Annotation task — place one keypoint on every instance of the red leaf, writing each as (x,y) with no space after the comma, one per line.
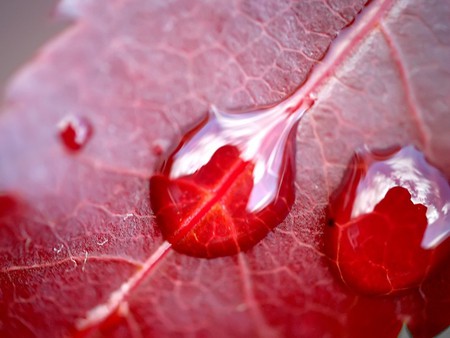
(81,231)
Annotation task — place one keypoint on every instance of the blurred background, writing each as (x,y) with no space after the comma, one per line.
(25,25)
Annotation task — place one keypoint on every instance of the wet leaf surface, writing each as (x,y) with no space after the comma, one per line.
(141,73)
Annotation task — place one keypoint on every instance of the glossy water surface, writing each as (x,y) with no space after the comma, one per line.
(74,132)
(390,221)
(229,181)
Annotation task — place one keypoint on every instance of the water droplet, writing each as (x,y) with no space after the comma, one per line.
(75,132)
(157,150)
(229,181)
(159,147)
(391,219)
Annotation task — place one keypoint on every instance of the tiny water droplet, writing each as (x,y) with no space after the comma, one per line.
(229,181)
(159,147)
(157,150)
(74,132)
(391,217)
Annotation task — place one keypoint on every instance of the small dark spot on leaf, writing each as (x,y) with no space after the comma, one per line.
(330,222)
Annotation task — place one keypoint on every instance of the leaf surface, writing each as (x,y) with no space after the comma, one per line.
(77,227)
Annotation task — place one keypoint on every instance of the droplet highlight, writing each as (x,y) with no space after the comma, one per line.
(74,132)
(229,181)
(389,221)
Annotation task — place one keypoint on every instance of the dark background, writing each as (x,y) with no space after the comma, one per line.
(25,25)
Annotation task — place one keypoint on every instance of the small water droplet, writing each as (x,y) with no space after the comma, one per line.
(229,181)
(391,217)
(157,150)
(159,147)
(75,132)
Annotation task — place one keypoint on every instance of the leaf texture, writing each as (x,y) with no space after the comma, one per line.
(78,226)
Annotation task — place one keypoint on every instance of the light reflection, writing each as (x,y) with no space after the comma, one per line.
(408,168)
(260,136)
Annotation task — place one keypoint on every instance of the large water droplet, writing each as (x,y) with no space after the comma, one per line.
(391,219)
(229,181)
(74,132)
